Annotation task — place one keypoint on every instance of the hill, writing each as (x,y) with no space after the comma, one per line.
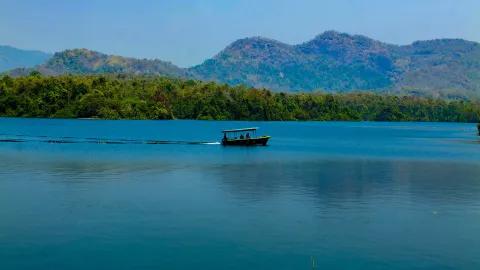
(443,67)
(11,58)
(83,61)
(332,61)
(342,62)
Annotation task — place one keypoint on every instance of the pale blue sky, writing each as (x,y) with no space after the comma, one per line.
(186,32)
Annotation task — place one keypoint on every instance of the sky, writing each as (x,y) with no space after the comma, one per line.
(187,32)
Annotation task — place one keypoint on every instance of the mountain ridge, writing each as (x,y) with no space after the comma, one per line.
(84,61)
(11,57)
(331,61)
(316,64)
(341,62)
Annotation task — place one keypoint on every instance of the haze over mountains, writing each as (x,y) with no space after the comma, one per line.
(331,61)
(11,58)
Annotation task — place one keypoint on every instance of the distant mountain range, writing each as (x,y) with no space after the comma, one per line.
(331,61)
(342,62)
(11,58)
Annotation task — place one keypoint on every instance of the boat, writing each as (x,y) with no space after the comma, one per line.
(243,137)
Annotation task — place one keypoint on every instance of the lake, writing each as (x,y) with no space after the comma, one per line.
(90,194)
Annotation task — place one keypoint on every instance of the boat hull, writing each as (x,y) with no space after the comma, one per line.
(262,141)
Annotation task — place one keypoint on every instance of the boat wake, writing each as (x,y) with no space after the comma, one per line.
(5,138)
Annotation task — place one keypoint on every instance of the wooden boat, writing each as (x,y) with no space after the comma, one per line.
(243,137)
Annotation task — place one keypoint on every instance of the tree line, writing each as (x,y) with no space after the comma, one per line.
(144,97)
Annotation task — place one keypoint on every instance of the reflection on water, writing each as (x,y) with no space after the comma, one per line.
(350,179)
(390,197)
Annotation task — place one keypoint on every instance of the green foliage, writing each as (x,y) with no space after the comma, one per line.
(83,61)
(153,97)
(446,68)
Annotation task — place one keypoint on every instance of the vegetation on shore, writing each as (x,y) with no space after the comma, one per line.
(144,97)
(332,61)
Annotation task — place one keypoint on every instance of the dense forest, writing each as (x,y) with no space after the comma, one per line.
(154,97)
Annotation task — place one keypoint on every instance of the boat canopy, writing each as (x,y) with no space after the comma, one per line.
(240,130)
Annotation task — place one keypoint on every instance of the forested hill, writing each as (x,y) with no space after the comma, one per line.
(83,61)
(154,97)
(331,61)
(337,61)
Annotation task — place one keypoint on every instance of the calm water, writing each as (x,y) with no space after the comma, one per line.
(84,194)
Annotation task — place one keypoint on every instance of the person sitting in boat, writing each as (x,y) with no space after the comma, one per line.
(241,137)
(248,135)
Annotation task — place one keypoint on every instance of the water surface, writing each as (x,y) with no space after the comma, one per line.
(83,194)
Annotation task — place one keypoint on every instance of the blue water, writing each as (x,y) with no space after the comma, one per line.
(87,194)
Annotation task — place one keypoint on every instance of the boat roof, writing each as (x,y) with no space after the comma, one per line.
(240,129)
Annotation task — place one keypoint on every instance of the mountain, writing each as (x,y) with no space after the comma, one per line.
(343,62)
(443,67)
(332,61)
(11,58)
(83,61)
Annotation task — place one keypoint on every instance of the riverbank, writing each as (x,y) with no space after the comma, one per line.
(139,97)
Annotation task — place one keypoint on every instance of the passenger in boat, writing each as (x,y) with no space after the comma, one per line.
(241,137)
(248,135)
